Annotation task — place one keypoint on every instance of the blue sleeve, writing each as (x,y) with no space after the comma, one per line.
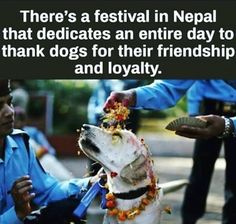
(161,94)
(47,188)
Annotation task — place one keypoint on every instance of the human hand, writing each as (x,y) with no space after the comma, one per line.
(215,127)
(127,98)
(21,196)
(100,174)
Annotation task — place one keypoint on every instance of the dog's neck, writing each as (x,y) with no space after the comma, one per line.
(118,185)
(133,202)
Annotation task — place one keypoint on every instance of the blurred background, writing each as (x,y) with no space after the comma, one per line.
(58,108)
(68,100)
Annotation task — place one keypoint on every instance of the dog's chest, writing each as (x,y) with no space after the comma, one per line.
(151,214)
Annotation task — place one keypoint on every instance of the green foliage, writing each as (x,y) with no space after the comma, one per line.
(70,102)
(71,99)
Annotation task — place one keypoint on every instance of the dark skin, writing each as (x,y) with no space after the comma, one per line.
(127,98)
(215,127)
(21,195)
(20,189)
(6,120)
(6,117)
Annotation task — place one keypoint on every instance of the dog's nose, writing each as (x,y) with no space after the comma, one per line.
(85,127)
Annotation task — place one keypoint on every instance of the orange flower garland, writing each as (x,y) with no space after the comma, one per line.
(130,214)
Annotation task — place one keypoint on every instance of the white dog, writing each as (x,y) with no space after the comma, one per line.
(129,168)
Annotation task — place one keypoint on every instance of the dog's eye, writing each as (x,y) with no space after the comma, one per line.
(116,137)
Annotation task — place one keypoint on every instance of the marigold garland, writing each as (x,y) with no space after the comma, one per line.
(130,214)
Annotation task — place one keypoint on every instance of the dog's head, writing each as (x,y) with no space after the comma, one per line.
(118,151)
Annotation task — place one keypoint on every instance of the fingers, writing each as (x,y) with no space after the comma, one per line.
(22,196)
(127,98)
(187,135)
(192,132)
(26,177)
(22,185)
(20,190)
(26,197)
(211,119)
(109,102)
(102,174)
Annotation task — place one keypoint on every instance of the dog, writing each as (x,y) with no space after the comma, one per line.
(127,162)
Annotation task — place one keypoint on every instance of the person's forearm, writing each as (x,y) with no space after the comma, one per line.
(161,94)
(47,188)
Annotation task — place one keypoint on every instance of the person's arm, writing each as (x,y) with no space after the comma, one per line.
(161,94)
(216,126)
(45,188)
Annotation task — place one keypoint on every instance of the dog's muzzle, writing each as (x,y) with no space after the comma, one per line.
(85,139)
(85,127)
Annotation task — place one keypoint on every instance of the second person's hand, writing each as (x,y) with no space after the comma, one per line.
(215,127)
(127,98)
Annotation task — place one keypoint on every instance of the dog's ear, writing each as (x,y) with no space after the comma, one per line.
(135,171)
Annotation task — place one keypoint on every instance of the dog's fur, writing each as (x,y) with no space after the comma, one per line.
(123,153)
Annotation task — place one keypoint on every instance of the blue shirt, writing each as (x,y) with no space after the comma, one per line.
(213,89)
(162,94)
(19,161)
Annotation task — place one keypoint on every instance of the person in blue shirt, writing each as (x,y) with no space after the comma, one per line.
(22,179)
(219,96)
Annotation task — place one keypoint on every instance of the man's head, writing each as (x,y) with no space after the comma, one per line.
(6,109)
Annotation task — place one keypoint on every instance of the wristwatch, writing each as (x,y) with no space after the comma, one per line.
(229,128)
